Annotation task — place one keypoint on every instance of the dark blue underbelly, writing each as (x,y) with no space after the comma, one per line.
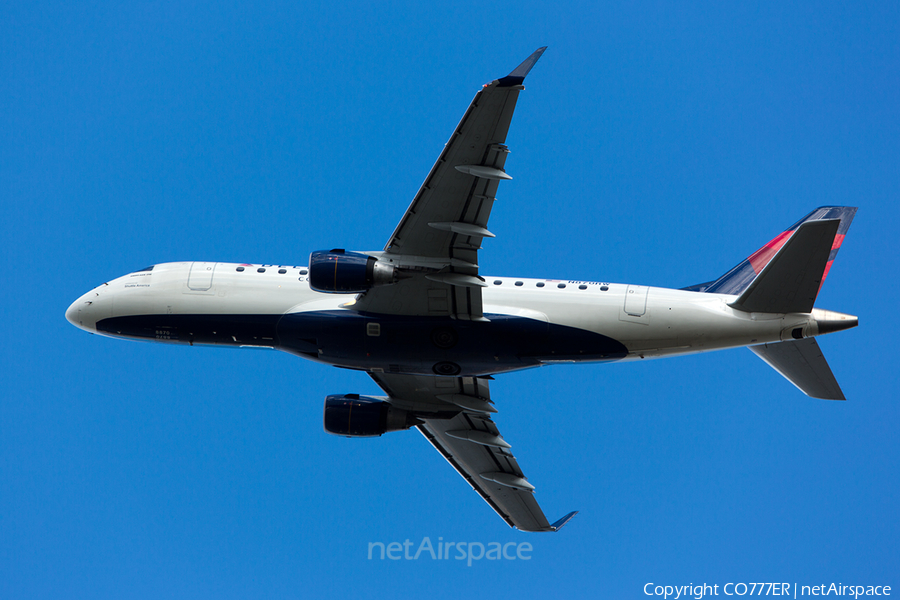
(398,344)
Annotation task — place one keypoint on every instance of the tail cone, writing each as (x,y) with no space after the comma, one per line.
(829,321)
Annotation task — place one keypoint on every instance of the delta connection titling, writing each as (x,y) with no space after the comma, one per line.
(764,589)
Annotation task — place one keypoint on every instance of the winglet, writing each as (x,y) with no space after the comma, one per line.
(519,73)
(559,524)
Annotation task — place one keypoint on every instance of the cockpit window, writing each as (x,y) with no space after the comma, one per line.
(150,268)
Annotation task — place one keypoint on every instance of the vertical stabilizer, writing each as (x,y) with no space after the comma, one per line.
(791,280)
(740,277)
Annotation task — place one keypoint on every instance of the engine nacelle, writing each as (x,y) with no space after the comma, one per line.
(352,415)
(340,272)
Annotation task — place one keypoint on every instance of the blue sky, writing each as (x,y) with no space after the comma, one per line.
(656,143)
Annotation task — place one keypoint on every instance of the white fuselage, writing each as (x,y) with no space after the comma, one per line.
(165,303)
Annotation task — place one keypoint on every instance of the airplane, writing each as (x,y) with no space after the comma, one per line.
(432,332)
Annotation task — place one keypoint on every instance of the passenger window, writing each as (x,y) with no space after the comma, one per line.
(497,282)
(282,271)
(540,284)
(260,270)
(582,287)
(561,286)
(240,268)
(519,283)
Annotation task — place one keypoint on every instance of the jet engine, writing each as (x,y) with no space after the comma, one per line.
(340,272)
(352,415)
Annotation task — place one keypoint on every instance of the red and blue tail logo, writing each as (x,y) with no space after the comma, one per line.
(737,279)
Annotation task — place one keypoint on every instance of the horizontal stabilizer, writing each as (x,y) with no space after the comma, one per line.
(791,280)
(801,362)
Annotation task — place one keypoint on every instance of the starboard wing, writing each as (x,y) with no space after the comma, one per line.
(471,442)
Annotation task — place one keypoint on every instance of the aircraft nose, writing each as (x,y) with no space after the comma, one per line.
(72,313)
(87,310)
(78,314)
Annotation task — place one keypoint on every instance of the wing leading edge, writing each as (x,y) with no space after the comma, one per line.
(440,234)
(471,442)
